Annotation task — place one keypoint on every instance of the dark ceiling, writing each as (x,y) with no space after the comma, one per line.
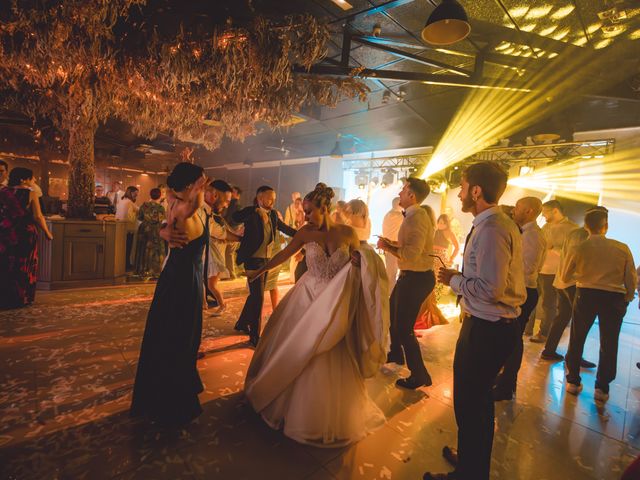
(508,34)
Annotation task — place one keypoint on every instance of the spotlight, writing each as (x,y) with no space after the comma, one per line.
(362,180)
(402,92)
(386,96)
(447,24)
(388,178)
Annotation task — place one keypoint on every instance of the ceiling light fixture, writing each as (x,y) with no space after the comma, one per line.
(337,151)
(447,24)
(343,4)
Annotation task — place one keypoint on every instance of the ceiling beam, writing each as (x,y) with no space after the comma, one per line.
(433,79)
(411,56)
(373,10)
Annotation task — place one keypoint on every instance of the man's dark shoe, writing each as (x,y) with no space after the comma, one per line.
(412,383)
(450,455)
(397,359)
(553,356)
(253,340)
(212,302)
(238,327)
(587,364)
(200,355)
(499,394)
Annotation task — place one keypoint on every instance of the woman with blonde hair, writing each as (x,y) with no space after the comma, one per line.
(357,215)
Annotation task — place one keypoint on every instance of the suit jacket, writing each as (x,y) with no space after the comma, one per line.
(231,210)
(254,231)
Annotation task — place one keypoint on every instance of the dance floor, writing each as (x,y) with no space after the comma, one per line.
(68,365)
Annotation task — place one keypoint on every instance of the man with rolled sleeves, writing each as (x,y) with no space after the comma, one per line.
(606,281)
(492,288)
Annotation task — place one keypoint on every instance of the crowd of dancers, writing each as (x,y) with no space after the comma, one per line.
(341,321)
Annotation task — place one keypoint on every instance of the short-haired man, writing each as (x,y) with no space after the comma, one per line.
(606,281)
(566,295)
(290,213)
(492,288)
(415,282)
(555,230)
(261,225)
(525,214)
(232,247)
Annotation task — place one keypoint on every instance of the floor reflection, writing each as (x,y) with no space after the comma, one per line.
(68,367)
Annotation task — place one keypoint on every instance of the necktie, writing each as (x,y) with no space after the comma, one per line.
(466,244)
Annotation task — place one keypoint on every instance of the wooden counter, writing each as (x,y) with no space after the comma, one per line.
(82,254)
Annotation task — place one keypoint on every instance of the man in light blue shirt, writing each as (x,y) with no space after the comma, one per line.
(492,289)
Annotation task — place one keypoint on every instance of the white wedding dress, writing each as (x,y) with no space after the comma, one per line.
(326,336)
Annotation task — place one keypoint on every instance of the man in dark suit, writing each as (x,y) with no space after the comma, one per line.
(261,224)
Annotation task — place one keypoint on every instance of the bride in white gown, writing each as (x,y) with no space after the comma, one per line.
(326,336)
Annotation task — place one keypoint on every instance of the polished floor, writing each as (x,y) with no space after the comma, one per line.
(68,364)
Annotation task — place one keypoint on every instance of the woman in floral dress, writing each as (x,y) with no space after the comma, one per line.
(20,217)
(150,248)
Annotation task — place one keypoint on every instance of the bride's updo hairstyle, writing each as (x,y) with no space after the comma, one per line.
(321,196)
(183,175)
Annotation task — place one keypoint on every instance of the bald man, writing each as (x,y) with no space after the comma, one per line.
(534,246)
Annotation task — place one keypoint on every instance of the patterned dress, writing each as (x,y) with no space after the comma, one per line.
(18,249)
(150,246)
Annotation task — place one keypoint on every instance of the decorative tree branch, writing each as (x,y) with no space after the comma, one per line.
(84,62)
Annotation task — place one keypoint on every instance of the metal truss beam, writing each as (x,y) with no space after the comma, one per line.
(434,79)
(410,56)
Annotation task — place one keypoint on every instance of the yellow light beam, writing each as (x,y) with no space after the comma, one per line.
(487,115)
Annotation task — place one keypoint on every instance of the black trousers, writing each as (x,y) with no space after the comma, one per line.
(508,378)
(411,289)
(482,350)
(565,311)
(252,311)
(549,302)
(610,308)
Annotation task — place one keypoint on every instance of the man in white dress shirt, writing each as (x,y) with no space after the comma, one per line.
(555,231)
(492,289)
(606,281)
(415,282)
(534,246)
(390,228)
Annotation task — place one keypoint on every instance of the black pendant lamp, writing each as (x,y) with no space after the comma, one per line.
(447,24)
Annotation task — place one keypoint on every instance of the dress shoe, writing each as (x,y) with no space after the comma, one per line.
(573,389)
(450,454)
(587,364)
(238,327)
(553,356)
(638,364)
(412,383)
(600,396)
(500,394)
(439,476)
(398,360)
(253,340)
(200,355)
(538,339)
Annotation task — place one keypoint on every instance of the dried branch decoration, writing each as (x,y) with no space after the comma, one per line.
(79,62)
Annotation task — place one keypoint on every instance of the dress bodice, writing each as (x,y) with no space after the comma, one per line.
(323,266)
